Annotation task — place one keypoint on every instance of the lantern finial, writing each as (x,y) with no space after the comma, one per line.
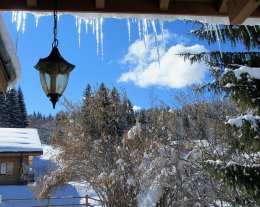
(54,97)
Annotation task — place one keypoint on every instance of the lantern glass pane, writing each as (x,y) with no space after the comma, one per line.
(62,81)
(45,81)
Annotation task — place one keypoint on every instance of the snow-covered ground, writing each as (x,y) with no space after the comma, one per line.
(40,165)
(23,191)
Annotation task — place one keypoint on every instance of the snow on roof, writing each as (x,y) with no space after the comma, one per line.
(19,140)
(9,52)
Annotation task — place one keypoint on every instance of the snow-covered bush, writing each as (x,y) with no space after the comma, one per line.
(156,161)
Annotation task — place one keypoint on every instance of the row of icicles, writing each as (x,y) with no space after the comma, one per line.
(95,25)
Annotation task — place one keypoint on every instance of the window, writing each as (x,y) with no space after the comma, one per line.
(3,168)
(6,168)
(10,168)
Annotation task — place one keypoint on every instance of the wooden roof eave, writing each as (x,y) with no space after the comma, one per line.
(236,10)
(25,153)
(3,79)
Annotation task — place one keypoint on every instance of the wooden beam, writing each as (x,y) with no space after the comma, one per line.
(129,7)
(164,5)
(100,4)
(223,7)
(239,10)
(3,79)
(31,3)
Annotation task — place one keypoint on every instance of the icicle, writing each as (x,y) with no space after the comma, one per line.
(92,23)
(161,22)
(58,17)
(156,40)
(248,32)
(18,21)
(208,29)
(211,31)
(14,16)
(139,29)
(76,21)
(154,29)
(129,29)
(145,23)
(144,30)
(219,33)
(218,40)
(101,38)
(79,20)
(148,24)
(36,20)
(97,33)
(255,28)
(86,25)
(24,20)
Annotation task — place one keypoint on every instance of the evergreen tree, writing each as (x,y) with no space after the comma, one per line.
(12,108)
(3,112)
(102,96)
(117,120)
(45,125)
(186,122)
(237,74)
(142,117)
(105,114)
(103,106)
(235,34)
(128,113)
(87,92)
(23,117)
(86,100)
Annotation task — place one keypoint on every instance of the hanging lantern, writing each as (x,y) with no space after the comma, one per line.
(54,70)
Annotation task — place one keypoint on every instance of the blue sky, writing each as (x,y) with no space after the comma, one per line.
(132,65)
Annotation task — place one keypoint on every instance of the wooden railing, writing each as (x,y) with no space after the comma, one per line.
(48,200)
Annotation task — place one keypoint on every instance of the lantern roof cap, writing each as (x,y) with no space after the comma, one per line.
(55,58)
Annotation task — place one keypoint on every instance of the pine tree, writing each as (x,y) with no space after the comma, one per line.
(3,112)
(117,119)
(142,117)
(103,110)
(86,100)
(87,92)
(12,108)
(106,114)
(23,117)
(236,74)
(90,114)
(128,113)
(235,34)
(102,95)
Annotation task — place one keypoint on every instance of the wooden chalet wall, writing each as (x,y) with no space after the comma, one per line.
(14,168)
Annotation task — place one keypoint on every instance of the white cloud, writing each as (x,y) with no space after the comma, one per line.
(137,108)
(173,72)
